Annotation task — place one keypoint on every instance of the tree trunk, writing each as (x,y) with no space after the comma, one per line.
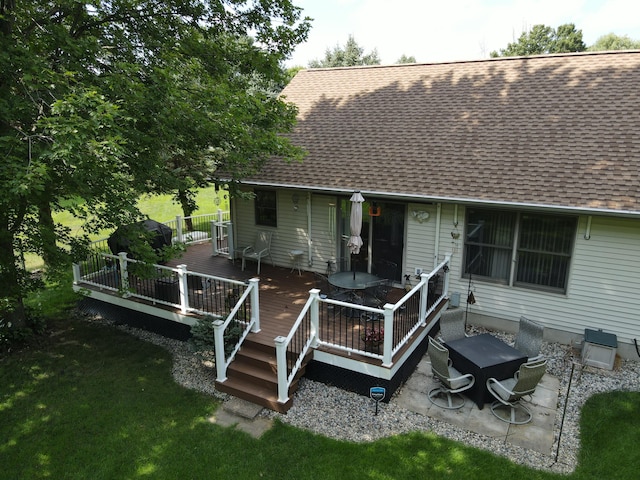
(187,202)
(10,278)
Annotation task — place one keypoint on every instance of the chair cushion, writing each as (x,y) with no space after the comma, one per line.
(455,380)
(508,384)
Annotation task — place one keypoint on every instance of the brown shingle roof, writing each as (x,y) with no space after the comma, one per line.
(559,130)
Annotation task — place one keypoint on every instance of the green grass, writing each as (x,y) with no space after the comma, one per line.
(157,207)
(97,403)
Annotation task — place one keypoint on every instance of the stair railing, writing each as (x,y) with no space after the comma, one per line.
(291,350)
(219,327)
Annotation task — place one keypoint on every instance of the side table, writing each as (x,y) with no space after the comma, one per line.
(296,260)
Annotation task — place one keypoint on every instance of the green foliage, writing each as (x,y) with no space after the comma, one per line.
(348,56)
(202,335)
(406,59)
(542,39)
(611,41)
(101,102)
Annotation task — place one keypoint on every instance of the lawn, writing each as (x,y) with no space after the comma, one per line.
(93,402)
(157,207)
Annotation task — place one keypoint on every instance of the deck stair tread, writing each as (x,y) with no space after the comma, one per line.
(252,376)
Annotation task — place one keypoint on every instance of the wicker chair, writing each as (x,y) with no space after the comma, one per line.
(509,392)
(452,325)
(529,339)
(452,382)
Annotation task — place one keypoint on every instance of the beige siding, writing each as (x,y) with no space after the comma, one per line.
(292,232)
(604,283)
(604,280)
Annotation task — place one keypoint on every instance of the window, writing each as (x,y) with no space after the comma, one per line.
(541,246)
(265,206)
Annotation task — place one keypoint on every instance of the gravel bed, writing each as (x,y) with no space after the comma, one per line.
(344,415)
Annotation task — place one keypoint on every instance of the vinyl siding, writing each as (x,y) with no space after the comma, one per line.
(603,287)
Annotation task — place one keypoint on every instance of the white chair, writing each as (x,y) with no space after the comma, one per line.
(529,339)
(509,392)
(452,382)
(260,249)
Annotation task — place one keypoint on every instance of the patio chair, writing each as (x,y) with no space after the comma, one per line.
(529,338)
(452,324)
(452,382)
(260,249)
(376,296)
(509,392)
(328,290)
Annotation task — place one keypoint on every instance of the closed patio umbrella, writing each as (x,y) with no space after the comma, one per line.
(355,242)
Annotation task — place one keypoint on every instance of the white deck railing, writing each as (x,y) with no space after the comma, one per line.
(407,315)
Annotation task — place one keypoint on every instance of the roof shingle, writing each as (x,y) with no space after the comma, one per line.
(557,130)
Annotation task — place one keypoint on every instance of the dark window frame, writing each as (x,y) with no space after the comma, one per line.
(266,207)
(542,246)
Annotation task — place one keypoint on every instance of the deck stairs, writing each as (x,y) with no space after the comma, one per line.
(252,375)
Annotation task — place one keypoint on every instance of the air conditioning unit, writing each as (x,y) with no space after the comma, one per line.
(599,349)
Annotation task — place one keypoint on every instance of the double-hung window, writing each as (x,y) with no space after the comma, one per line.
(265,208)
(519,248)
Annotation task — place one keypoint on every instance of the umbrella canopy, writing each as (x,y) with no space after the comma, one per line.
(355,242)
(155,233)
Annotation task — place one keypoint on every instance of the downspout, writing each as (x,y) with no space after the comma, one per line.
(436,249)
(309,239)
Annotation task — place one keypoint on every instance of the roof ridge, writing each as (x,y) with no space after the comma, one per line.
(477,60)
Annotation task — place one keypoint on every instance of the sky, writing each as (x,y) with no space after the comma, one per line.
(448,30)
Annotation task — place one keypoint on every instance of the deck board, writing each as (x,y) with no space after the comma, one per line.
(282,293)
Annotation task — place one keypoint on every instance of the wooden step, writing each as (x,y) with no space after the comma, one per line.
(252,376)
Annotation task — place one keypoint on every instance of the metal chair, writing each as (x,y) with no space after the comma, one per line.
(259,250)
(452,325)
(376,296)
(529,338)
(509,392)
(328,290)
(452,382)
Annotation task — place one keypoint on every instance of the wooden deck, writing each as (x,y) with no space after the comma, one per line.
(282,293)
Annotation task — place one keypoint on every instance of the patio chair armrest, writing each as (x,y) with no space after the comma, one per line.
(246,250)
(493,384)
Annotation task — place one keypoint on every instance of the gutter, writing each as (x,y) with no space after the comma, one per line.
(459,200)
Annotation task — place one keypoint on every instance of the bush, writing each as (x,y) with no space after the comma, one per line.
(202,335)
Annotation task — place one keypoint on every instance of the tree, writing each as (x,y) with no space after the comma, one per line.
(349,56)
(405,59)
(542,39)
(611,41)
(103,101)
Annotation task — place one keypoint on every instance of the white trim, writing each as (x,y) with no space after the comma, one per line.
(138,307)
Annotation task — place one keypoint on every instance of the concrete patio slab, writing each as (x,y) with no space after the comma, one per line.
(536,435)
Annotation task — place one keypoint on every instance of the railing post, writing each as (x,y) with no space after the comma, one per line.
(76,273)
(281,366)
(124,275)
(179,228)
(214,238)
(254,284)
(314,311)
(183,288)
(230,242)
(387,344)
(218,345)
(424,297)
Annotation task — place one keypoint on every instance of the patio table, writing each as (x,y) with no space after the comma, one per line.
(354,280)
(484,356)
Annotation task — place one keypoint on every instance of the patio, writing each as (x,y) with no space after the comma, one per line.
(537,435)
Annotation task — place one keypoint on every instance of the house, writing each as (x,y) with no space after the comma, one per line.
(525,169)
